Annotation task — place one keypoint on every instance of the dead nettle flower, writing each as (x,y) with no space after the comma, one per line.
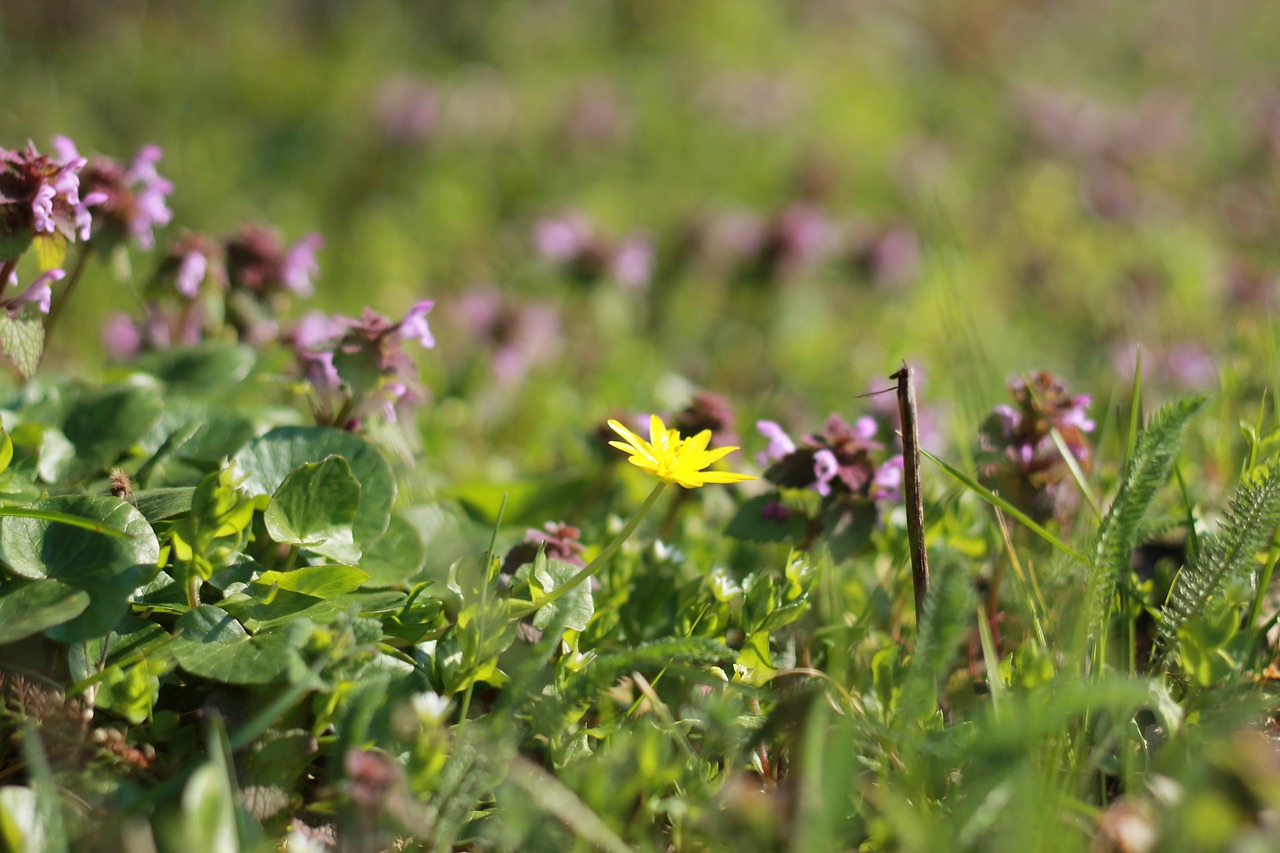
(38,294)
(839,462)
(358,367)
(1018,457)
(595,115)
(888,255)
(572,242)
(709,411)
(406,109)
(784,246)
(262,276)
(259,262)
(128,201)
(1187,366)
(192,263)
(40,196)
(558,540)
(519,336)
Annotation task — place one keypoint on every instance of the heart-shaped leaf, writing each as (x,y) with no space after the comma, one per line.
(266,461)
(315,507)
(29,607)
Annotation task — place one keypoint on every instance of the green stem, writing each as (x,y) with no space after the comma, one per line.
(61,301)
(595,565)
(193,588)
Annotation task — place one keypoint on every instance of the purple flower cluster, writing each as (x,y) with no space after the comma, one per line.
(573,243)
(1019,458)
(519,336)
(357,367)
(128,201)
(839,462)
(40,195)
(560,541)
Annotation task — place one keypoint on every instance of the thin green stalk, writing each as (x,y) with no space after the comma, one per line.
(55,313)
(595,565)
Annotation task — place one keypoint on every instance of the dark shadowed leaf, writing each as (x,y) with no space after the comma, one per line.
(213,645)
(315,507)
(28,607)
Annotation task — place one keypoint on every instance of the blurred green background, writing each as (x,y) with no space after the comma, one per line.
(995,186)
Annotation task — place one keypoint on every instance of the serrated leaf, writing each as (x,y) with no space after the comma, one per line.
(210,643)
(315,507)
(266,461)
(29,607)
(22,339)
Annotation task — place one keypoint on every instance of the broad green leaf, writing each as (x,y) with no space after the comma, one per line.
(754,665)
(318,581)
(22,339)
(576,606)
(156,504)
(29,607)
(209,806)
(24,821)
(108,567)
(213,645)
(315,507)
(269,459)
(104,424)
(396,556)
(751,523)
(201,368)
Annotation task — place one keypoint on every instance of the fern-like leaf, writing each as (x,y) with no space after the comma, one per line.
(1250,520)
(1146,470)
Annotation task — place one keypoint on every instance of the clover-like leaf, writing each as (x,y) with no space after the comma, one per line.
(267,460)
(315,507)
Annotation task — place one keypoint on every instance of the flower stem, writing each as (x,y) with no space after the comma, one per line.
(6,270)
(61,301)
(596,564)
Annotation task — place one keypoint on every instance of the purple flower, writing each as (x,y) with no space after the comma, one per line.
(406,110)
(519,336)
(632,263)
(887,484)
(257,261)
(188,263)
(562,238)
(41,195)
(38,293)
(129,201)
(414,325)
(825,469)
(121,336)
(299,265)
(780,444)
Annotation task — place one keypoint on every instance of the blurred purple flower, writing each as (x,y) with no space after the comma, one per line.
(889,256)
(414,325)
(188,263)
(632,263)
(258,262)
(825,469)
(39,293)
(780,444)
(1019,458)
(562,238)
(406,110)
(708,411)
(128,201)
(571,241)
(887,484)
(518,335)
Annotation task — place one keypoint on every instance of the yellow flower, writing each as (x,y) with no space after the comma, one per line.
(673,459)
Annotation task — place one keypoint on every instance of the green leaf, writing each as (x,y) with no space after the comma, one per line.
(322,582)
(102,425)
(576,606)
(157,504)
(396,556)
(51,250)
(209,805)
(29,607)
(201,368)
(314,508)
(750,523)
(6,450)
(268,460)
(213,645)
(108,567)
(22,339)
(754,665)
